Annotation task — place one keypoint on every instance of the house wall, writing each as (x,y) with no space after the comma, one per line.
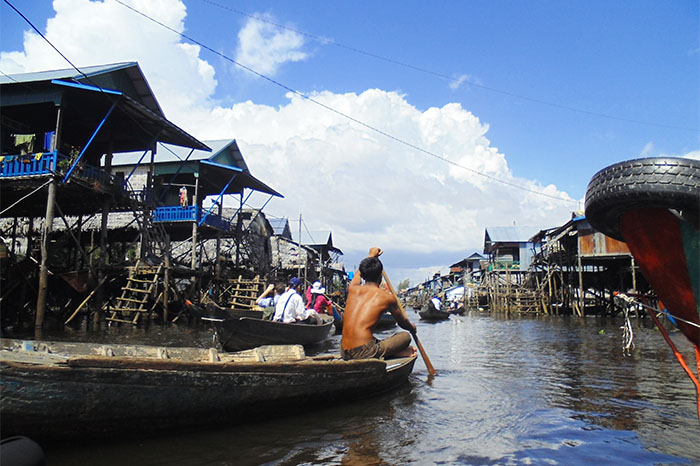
(138,180)
(597,244)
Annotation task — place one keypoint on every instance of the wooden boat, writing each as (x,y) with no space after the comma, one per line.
(54,390)
(213,311)
(245,332)
(385,322)
(428,312)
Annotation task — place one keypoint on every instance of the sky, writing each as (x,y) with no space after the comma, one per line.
(407,125)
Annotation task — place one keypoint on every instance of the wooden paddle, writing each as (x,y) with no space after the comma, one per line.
(431,369)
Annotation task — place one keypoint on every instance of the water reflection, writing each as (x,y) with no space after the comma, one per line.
(540,390)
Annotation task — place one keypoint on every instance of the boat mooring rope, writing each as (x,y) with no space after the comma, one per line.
(627,334)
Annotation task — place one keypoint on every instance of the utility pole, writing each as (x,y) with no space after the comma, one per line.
(300,250)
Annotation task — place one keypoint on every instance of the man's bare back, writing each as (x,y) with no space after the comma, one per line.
(364,307)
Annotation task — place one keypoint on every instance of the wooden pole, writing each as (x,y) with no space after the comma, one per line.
(46,232)
(581,298)
(75,313)
(195,204)
(299,269)
(104,252)
(44,270)
(166,278)
(428,364)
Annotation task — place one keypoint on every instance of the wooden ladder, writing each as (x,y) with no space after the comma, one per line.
(141,284)
(243,292)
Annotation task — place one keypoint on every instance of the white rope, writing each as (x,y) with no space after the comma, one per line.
(631,301)
(627,334)
(20,200)
(653,309)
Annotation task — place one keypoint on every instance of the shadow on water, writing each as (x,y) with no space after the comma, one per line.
(521,390)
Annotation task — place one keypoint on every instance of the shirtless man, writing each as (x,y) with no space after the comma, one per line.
(364,307)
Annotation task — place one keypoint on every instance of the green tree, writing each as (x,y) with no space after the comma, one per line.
(405,284)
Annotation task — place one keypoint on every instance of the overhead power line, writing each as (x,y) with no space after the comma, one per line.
(300,94)
(344,115)
(446,77)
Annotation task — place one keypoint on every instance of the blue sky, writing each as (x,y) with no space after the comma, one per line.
(539,94)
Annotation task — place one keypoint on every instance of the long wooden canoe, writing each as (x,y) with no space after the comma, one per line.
(428,312)
(53,390)
(245,332)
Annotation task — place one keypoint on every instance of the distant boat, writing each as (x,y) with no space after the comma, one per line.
(245,332)
(385,322)
(60,390)
(429,312)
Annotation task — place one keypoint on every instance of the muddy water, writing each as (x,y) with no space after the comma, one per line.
(508,391)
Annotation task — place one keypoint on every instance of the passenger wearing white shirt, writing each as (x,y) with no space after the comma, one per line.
(290,307)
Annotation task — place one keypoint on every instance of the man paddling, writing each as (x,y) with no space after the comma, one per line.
(364,307)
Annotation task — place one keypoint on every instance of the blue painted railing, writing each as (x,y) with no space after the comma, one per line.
(188,214)
(174,214)
(45,163)
(41,163)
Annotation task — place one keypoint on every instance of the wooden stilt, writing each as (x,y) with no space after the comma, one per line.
(43,270)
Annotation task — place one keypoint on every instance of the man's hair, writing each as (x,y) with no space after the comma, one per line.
(371,269)
(280,287)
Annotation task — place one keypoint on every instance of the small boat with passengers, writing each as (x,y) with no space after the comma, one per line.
(236,334)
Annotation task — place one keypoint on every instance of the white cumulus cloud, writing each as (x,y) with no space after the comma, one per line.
(264,47)
(433,184)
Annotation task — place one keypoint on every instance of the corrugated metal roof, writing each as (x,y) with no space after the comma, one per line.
(170,153)
(278,224)
(313,238)
(511,234)
(133,124)
(66,73)
(141,90)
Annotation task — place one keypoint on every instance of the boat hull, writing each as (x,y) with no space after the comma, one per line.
(433,314)
(93,396)
(244,333)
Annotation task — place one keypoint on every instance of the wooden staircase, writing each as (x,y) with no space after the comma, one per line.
(241,293)
(133,302)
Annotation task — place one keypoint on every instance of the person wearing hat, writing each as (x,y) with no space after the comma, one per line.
(308,294)
(319,302)
(290,307)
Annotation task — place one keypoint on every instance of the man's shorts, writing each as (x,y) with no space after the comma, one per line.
(378,349)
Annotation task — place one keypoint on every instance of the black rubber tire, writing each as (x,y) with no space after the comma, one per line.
(667,182)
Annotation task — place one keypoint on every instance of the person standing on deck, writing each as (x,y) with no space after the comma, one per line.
(183,196)
(364,307)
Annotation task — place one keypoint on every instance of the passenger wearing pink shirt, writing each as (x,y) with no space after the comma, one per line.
(318,301)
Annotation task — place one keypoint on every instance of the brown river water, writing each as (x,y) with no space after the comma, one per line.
(509,391)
